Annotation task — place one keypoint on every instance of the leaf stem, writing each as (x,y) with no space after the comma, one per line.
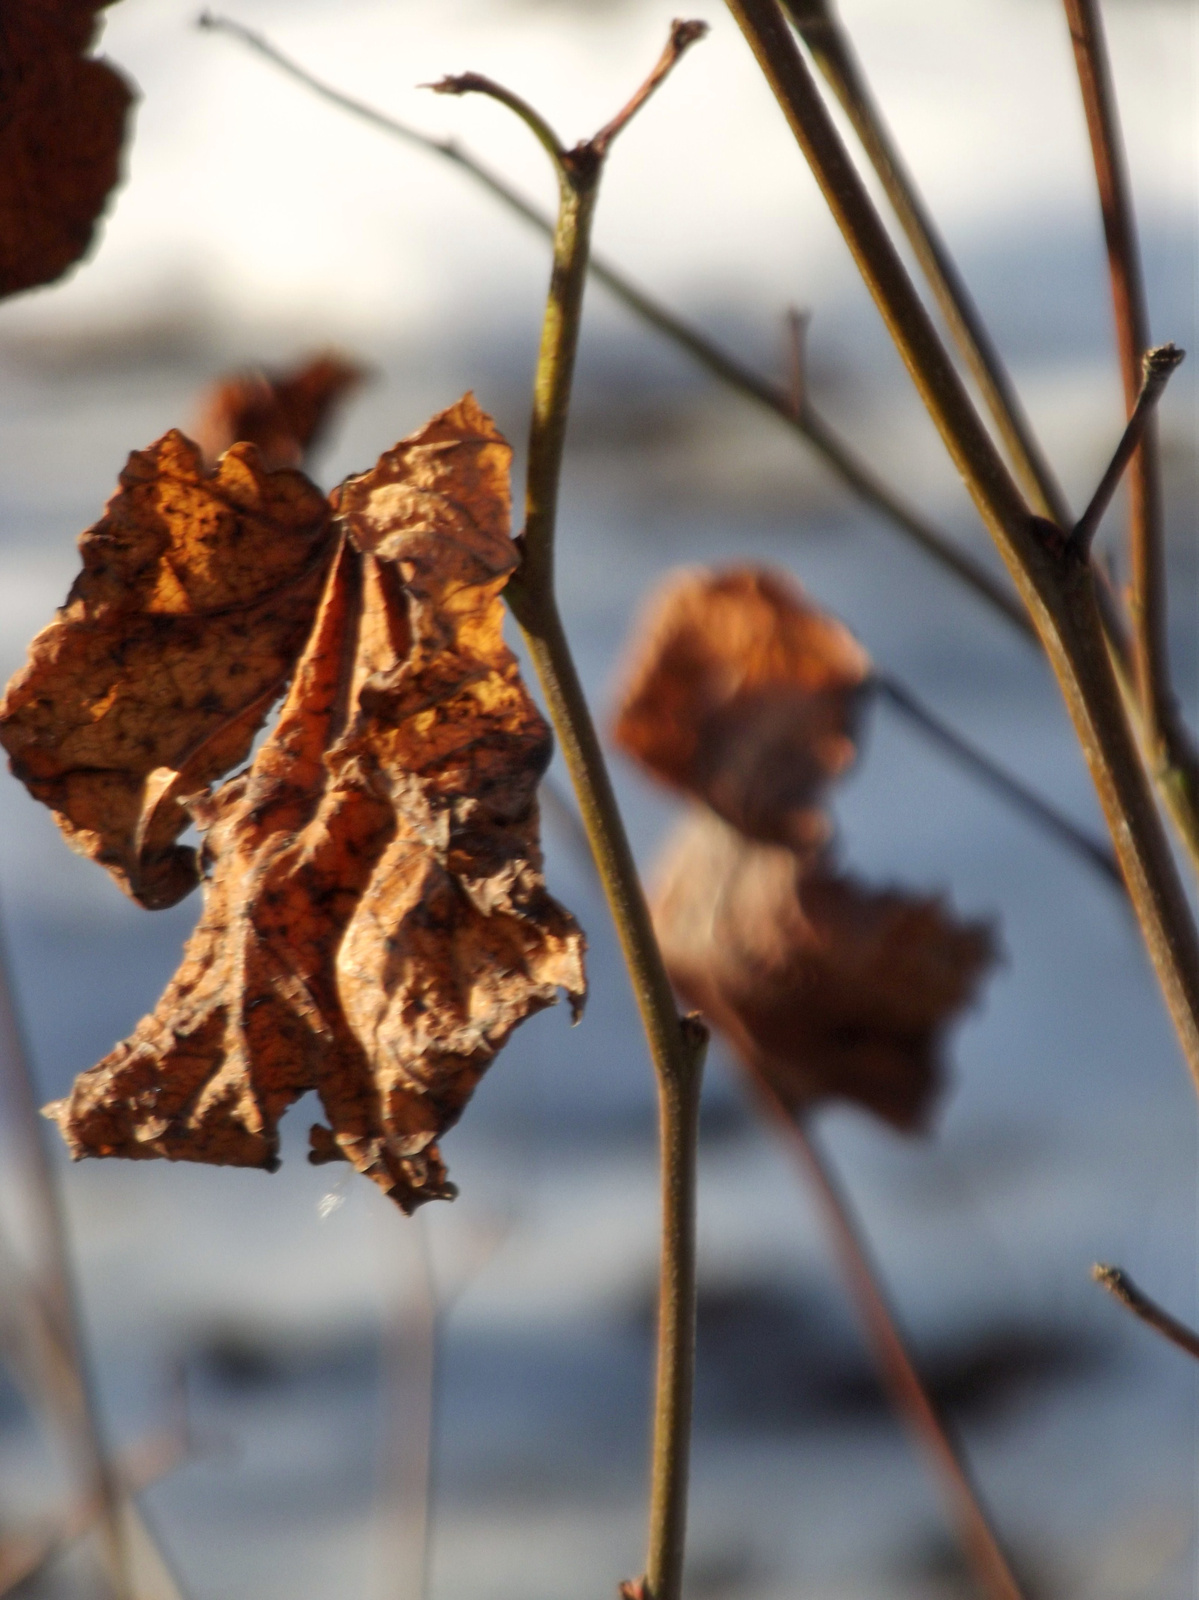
(1057,588)
(896,1367)
(1118,1284)
(677,1044)
(838,456)
(833,52)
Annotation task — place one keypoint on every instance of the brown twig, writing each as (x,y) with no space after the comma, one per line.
(1172,749)
(833,52)
(797,375)
(1131,313)
(54,1299)
(852,470)
(683,35)
(677,1044)
(1117,1283)
(1056,587)
(1156,368)
(897,1369)
(1174,757)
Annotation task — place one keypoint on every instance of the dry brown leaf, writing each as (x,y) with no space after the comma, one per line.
(825,988)
(62,125)
(196,595)
(286,414)
(376,922)
(744,695)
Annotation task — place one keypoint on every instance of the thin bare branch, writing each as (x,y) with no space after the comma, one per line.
(1010,789)
(1117,1283)
(677,1044)
(1131,312)
(478,83)
(852,470)
(54,1299)
(1057,588)
(797,377)
(1156,368)
(833,52)
(1172,748)
(682,36)
(896,1367)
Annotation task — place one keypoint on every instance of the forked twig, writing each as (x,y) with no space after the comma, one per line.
(853,471)
(1058,590)
(896,1367)
(1172,748)
(1131,312)
(677,1044)
(1138,662)
(1118,1284)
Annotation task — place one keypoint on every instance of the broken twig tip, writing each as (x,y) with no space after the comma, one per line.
(684,33)
(1162,360)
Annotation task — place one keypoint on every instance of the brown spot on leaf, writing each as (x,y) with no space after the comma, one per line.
(823,987)
(376,922)
(196,595)
(743,694)
(286,414)
(62,125)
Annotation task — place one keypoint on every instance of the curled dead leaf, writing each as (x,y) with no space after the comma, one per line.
(743,694)
(376,922)
(197,592)
(286,414)
(823,987)
(62,125)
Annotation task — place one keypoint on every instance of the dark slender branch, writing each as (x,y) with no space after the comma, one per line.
(797,375)
(1009,788)
(1057,589)
(1117,1283)
(1156,369)
(837,455)
(1131,312)
(894,1361)
(676,1044)
(834,54)
(682,36)
(1171,747)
